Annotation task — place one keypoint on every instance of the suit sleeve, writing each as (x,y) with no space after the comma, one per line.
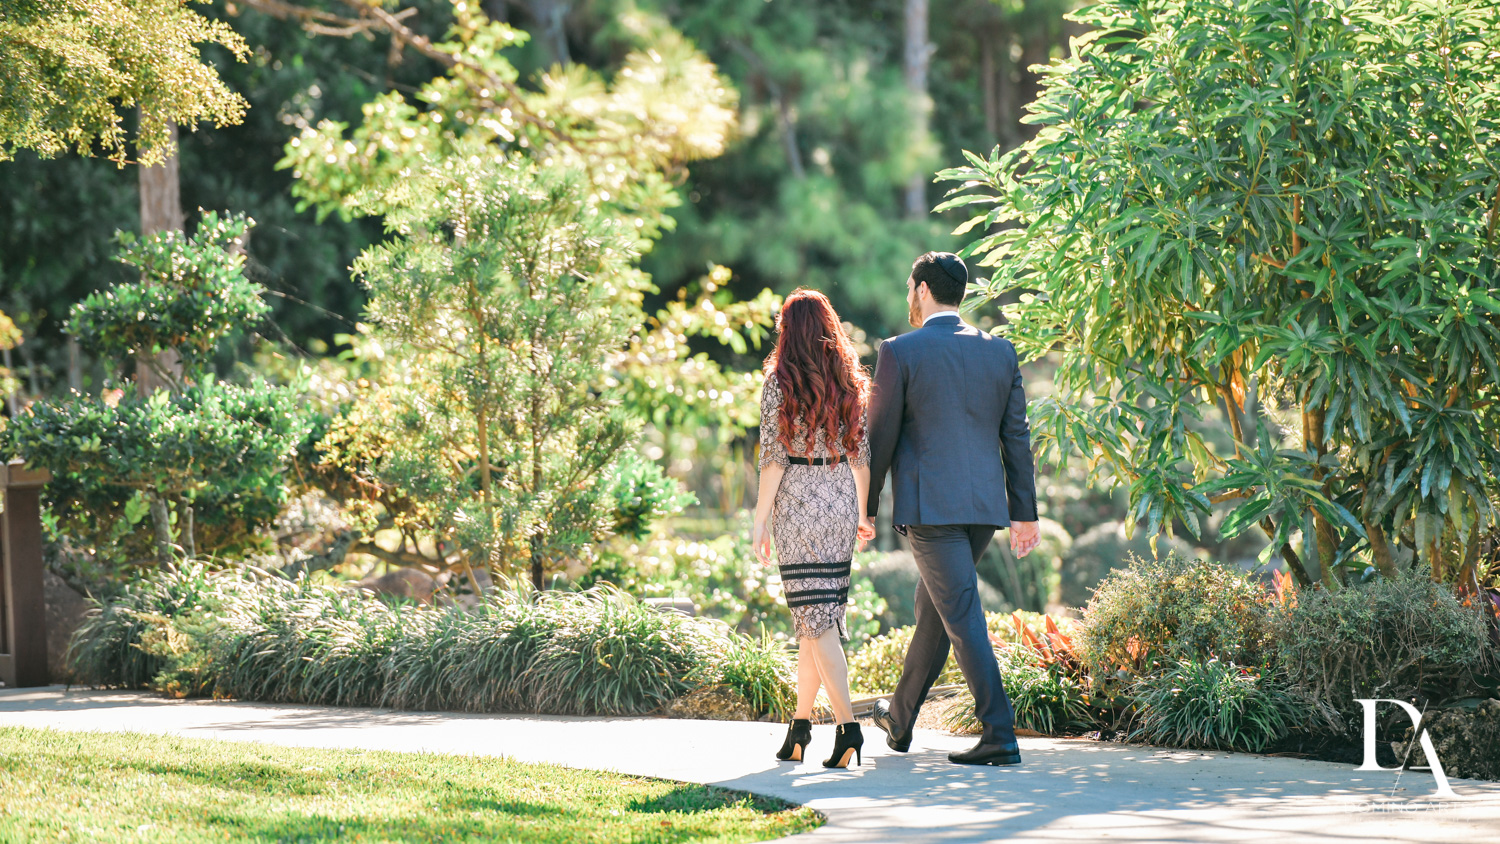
(1015,450)
(887,403)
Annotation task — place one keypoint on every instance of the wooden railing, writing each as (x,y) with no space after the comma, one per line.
(23,614)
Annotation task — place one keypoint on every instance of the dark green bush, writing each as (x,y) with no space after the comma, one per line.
(1213,705)
(193,293)
(106,650)
(1158,611)
(1404,638)
(876,666)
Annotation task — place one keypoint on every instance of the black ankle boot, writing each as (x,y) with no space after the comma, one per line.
(847,741)
(798,735)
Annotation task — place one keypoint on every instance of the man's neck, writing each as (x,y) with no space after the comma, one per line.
(935,314)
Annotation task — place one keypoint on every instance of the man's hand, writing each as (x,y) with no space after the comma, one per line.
(1024,536)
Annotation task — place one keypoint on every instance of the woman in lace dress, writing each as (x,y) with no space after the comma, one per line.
(814,462)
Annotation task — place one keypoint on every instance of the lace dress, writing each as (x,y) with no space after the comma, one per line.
(814,521)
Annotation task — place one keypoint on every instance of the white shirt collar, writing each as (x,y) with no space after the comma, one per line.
(933,316)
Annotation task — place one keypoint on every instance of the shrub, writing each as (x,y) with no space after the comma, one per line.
(106,650)
(1212,705)
(1403,638)
(875,668)
(1163,610)
(1046,701)
(724,581)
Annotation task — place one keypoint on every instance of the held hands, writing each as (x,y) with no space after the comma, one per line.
(1024,536)
(866,531)
(760,541)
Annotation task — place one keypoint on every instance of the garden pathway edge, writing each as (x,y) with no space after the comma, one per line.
(1065,789)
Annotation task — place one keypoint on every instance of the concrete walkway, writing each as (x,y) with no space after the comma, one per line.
(1065,790)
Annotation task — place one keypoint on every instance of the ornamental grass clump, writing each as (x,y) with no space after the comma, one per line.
(1213,705)
(1045,700)
(248,635)
(616,656)
(760,671)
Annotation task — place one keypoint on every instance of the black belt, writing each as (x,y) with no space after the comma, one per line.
(811,461)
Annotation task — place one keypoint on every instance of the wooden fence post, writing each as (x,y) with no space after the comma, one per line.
(23,613)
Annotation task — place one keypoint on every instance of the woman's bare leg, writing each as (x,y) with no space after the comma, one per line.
(834,672)
(808,679)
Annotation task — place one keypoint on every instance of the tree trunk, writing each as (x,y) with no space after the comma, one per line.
(987,83)
(1034,50)
(549,16)
(161,523)
(536,461)
(161,210)
(917,56)
(75,368)
(1326,536)
(1006,106)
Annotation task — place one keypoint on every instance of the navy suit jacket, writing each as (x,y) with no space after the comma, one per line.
(947,418)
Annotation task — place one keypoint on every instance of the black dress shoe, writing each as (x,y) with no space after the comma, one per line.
(1008,753)
(882,718)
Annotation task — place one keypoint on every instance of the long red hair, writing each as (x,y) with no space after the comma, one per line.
(818,372)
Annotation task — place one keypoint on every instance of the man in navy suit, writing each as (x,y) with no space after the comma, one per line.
(947,419)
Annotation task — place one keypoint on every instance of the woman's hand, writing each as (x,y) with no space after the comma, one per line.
(866,531)
(760,540)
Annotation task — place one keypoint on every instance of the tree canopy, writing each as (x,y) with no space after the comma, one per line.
(69,67)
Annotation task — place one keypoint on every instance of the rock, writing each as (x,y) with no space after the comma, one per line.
(65,610)
(894,577)
(1466,737)
(712,703)
(681,606)
(416,585)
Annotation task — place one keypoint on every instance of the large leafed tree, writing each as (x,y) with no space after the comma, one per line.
(1290,208)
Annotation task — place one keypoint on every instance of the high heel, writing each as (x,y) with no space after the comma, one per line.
(798,736)
(847,741)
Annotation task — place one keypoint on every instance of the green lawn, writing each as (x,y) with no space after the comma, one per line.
(59,786)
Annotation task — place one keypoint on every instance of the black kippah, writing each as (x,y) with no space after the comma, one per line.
(954,267)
